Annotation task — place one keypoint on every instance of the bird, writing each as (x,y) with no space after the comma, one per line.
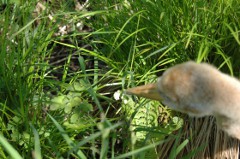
(199,90)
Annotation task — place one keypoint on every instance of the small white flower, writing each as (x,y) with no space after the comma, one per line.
(125,101)
(117,95)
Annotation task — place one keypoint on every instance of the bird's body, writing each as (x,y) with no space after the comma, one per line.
(198,90)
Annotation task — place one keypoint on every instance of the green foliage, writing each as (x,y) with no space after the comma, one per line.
(183,30)
(52,107)
(145,127)
(75,108)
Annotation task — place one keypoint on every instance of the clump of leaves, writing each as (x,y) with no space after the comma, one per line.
(75,107)
(145,127)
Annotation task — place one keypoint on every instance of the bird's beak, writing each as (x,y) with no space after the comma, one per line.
(149,91)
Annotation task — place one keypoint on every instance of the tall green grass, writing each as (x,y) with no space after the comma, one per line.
(56,92)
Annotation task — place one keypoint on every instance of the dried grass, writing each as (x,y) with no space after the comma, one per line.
(206,141)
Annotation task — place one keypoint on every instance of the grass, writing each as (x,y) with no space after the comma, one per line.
(57,85)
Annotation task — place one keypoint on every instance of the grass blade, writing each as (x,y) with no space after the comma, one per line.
(12,152)
(37,147)
(67,138)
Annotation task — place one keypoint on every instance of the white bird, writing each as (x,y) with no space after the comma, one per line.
(198,90)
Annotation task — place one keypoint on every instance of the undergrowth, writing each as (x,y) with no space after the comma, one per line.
(64,66)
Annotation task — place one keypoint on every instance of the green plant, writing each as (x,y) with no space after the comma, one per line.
(60,66)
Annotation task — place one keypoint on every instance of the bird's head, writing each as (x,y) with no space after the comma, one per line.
(183,87)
